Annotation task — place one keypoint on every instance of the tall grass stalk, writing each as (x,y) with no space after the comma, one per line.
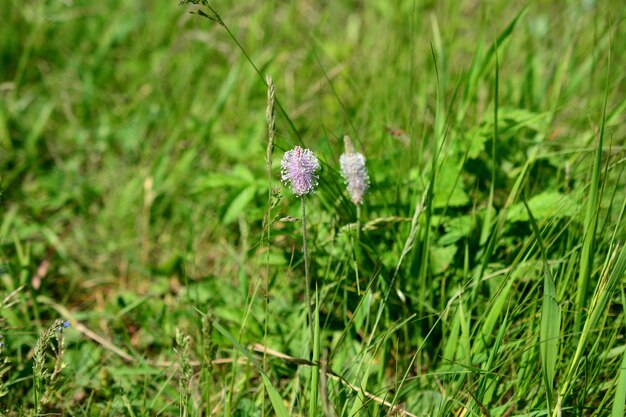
(270,118)
(315,368)
(591,217)
(613,273)
(550,316)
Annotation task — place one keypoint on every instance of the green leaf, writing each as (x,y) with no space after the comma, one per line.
(239,176)
(441,257)
(456,229)
(449,190)
(476,144)
(239,203)
(514,119)
(543,206)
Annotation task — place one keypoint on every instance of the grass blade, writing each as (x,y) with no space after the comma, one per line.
(620,391)
(613,273)
(315,371)
(550,317)
(591,219)
(275,398)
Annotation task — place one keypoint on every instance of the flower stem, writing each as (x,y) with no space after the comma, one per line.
(358,223)
(313,340)
(306,275)
(357,247)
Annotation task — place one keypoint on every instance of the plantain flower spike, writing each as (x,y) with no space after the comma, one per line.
(298,170)
(354,172)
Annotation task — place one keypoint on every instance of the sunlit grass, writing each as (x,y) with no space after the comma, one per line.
(140,147)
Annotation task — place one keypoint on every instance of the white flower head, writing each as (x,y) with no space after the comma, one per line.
(354,172)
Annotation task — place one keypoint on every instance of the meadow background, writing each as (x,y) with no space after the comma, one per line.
(485,276)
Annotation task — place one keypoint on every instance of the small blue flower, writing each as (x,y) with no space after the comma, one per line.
(62,325)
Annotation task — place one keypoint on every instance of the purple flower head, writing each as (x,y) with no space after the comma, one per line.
(354,172)
(298,170)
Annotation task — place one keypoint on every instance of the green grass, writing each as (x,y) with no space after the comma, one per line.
(484,274)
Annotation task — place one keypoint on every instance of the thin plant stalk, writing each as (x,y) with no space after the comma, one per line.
(591,220)
(354,172)
(298,168)
(271,121)
(313,326)
(358,223)
(307,277)
(357,246)
(315,375)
